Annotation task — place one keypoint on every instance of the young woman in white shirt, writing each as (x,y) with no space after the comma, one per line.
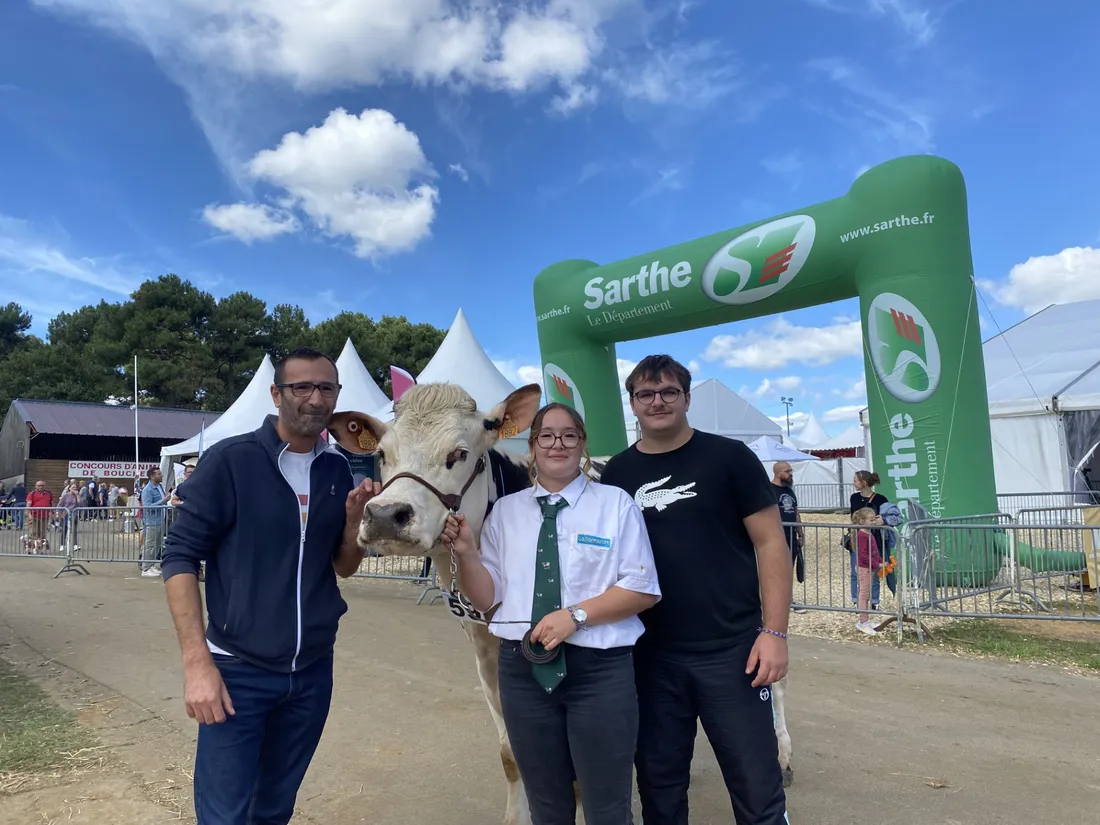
(571,559)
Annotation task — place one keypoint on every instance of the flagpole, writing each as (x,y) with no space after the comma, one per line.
(137,444)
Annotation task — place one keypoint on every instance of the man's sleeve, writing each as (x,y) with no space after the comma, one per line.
(198,528)
(753,491)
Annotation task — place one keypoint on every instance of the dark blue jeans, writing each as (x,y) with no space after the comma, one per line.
(248,769)
(587,728)
(677,690)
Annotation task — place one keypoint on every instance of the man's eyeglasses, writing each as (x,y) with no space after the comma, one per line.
(547,439)
(668,395)
(304,389)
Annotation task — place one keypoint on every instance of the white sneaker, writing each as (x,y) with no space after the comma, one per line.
(866,627)
(151,573)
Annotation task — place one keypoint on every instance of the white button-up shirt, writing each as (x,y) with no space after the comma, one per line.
(602,543)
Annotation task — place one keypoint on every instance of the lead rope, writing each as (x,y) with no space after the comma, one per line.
(525,644)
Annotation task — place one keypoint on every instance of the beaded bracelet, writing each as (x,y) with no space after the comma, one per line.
(772,632)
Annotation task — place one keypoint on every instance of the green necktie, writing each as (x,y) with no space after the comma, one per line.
(547,595)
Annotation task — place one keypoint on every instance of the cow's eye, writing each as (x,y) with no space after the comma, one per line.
(456,457)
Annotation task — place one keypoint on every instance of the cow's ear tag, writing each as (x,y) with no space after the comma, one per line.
(363,436)
(508,428)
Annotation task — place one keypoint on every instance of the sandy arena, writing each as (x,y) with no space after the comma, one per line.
(880,735)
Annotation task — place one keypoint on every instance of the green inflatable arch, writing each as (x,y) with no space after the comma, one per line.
(899,240)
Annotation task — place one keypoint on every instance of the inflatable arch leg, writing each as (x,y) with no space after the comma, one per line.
(899,240)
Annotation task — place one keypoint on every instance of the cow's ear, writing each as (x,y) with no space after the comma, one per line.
(357,432)
(515,413)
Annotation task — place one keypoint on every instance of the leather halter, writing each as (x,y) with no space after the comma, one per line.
(452,501)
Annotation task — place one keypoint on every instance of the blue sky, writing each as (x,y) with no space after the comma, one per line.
(459,147)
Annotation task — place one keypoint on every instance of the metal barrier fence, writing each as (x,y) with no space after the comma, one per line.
(827,574)
(1013,503)
(822,498)
(1027,565)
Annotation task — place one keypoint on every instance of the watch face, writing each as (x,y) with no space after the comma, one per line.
(580,614)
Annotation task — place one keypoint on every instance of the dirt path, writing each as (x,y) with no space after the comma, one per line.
(879,734)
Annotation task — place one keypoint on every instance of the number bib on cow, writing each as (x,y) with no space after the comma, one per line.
(460,606)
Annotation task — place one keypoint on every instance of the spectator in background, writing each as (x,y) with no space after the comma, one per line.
(783,481)
(40,503)
(153,512)
(176,498)
(18,500)
(868,562)
(69,502)
(865,496)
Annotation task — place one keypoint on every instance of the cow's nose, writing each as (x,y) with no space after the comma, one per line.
(390,518)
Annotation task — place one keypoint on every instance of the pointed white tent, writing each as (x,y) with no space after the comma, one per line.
(770,450)
(812,434)
(359,391)
(461,360)
(245,414)
(715,408)
(851,438)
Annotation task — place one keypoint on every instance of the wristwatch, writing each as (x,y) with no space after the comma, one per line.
(580,616)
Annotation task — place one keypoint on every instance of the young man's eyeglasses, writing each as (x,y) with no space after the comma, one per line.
(304,389)
(668,395)
(547,439)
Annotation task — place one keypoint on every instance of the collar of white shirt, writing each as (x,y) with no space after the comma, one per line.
(571,493)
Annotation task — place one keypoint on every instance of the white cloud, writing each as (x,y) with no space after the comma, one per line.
(918,23)
(26,256)
(874,113)
(520,373)
(798,421)
(1071,275)
(788,166)
(250,222)
(780,343)
(846,413)
(857,389)
(459,170)
(358,176)
(774,386)
(691,76)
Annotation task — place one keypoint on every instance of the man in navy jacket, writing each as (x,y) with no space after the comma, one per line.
(274,514)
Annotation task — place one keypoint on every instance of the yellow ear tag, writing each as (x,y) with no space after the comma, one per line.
(367,441)
(508,429)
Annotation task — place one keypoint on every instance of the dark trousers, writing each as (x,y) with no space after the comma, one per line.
(248,769)
(677,690)
(586,728)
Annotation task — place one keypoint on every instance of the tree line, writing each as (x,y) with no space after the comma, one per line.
(194,351)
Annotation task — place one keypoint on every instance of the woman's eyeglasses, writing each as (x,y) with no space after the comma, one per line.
(547,439)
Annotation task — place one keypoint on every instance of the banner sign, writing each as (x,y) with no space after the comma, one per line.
(109,469)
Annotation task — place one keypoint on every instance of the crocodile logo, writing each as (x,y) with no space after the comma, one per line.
(647,496)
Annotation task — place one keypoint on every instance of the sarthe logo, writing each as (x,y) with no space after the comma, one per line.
(561,388)
(904,351)
(757,264)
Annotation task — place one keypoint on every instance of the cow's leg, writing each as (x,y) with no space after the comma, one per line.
(779,716)
(486,649)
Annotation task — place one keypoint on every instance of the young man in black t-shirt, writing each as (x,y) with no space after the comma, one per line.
(783,484)
(710,646)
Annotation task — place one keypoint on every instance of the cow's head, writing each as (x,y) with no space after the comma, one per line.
(437,436)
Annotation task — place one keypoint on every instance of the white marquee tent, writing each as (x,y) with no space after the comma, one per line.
(715,408)
(1043,382)
(811,435)
(358,389)
(461,360)
(244,414)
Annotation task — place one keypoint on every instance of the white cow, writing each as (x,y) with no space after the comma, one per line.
(440,454)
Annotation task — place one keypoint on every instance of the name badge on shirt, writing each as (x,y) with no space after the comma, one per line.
(594,541)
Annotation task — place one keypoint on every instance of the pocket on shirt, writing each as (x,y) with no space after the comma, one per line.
(588,566)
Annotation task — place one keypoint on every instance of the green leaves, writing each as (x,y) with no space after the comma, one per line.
(194,351)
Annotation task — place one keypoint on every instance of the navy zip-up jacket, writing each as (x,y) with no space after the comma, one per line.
(271,593)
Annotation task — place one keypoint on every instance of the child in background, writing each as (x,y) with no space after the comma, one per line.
(868,562)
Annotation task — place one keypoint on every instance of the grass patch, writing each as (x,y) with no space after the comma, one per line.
(36,735)
(1001,640)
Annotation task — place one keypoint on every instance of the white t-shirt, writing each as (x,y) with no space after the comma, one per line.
(295,467)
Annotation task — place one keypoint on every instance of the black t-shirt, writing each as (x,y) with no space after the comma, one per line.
(858,502)
(788,511)
(694,500)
